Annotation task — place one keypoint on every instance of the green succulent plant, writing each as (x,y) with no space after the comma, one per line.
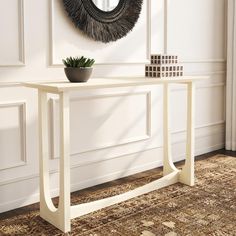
(78,62)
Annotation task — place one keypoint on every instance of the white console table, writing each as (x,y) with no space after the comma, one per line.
(61,216)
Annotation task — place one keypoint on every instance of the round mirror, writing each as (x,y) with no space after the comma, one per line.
(104,20)
(106,5)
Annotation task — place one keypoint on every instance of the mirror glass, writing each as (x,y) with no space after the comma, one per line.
(106,5)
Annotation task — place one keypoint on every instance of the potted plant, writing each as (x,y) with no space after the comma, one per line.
(78,69)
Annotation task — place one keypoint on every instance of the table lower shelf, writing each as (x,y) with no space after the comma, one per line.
(85,208)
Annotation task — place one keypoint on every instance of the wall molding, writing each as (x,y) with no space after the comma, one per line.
(148,38)
(165,26)
(202,86)
(21,40)
(21,105)
(10,84)
(146,136)
(205,61)
(218,123)
(22,30)
(166,42)
(214,85)
(85,163)
(209,73)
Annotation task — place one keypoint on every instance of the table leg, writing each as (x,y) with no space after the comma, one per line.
(187,173)
(45,199)
(168,165)
(64,201)
(59,217)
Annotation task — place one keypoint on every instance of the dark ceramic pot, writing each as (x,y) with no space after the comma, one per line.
(78,75)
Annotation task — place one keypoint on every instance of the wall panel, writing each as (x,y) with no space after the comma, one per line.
(12,36)
(196,30)
(106,126)
(12,135)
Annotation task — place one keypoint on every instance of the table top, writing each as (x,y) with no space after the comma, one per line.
(97,83)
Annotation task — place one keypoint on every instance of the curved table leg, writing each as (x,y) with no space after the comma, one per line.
(168,165)
(187,173)
(59,217)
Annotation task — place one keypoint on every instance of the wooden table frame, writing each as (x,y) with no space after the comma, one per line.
(61,216)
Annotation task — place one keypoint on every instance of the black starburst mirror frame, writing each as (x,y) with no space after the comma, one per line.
(100,25)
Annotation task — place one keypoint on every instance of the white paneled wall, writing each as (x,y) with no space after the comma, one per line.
(115,132)
(13,127)
(193,40)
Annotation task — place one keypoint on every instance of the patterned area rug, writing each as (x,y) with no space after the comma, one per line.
(208,208)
